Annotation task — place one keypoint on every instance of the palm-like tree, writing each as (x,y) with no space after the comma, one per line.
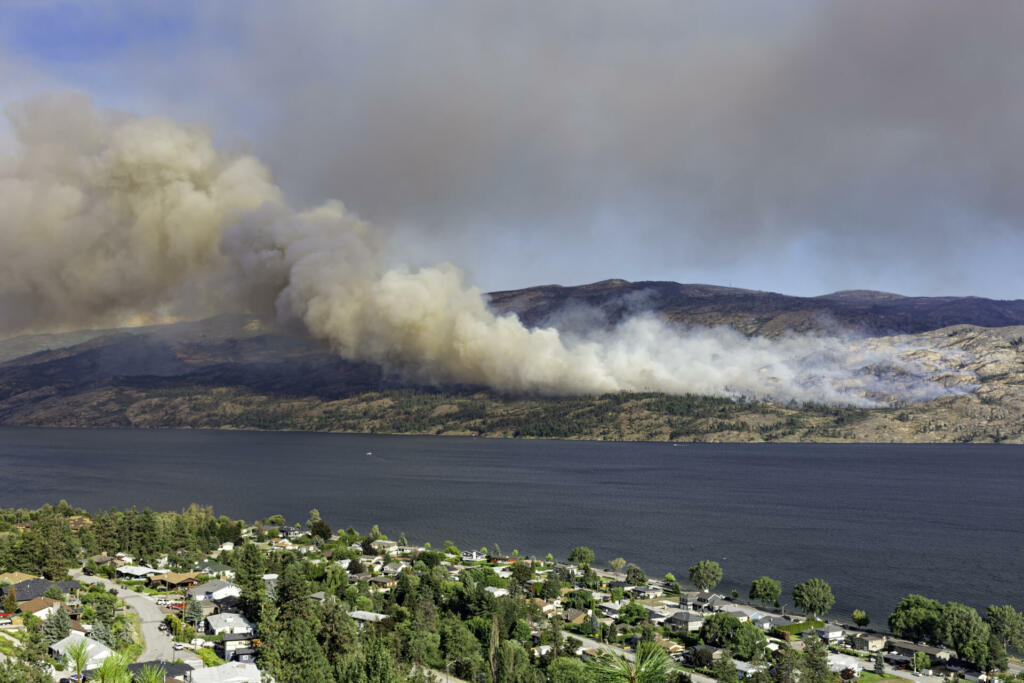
(650,665)
(78,657)
(114,669)
(151,673)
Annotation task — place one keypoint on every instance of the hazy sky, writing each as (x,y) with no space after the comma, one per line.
(801,147)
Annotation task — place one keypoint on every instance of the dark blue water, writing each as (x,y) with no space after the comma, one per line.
(876,521)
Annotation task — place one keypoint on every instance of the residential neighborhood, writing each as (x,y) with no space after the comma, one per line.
(226,614)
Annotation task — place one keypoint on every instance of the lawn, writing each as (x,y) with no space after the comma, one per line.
(794,629)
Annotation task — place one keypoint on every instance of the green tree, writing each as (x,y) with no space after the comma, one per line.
(724,670)
(522,571)
(917,618)
(568,670)
(963,629)
(582,556)
(513,663)
(250,567)
(650,665)
(719,629)
(705,575)
(632,613)
(813,596)
(57,626)
(920,661)
(78,657)
(551,588)
(814,667)
(749,642)
(617,564)
(787,664)
(1006,624)
(54,593)
(151,673)
(766,589)
(860,617)
(879,664)
(636,576)
(193,612)
(114,669)
(10,601)
(997,659)
(581,600)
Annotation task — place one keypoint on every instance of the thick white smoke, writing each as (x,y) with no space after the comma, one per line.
(109,217)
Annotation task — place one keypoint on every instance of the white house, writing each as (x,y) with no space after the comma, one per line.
(95,650)
(228,623)
(215,589)
(232,672)
(497,592)
(129,571)
(363,617)
(473,556)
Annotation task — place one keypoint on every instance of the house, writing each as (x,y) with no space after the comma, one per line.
(830,633)
(611,608)
(36,588)
(215,568)
(497,592)
(473,556)
(173,580)
(908,648)
(705,601)
(392,568)
(383,547)
(767,623)
(383,582)
(545,606)
(657,615)
(232,672)
(215,589)
(319,596)
(737,613)
(40,607)
(228,623)
(16,577)
(575,616)
(130,571)
(691,654)
(649,592)
(101,560)
(869,642)
(746,669)
(236,647)
(686,621)
(840,662)
(363,617)
(95,650)
(751,614)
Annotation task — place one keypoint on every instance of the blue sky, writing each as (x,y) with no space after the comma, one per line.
(788,146)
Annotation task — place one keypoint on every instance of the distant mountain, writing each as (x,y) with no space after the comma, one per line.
(234,372)
(763,313)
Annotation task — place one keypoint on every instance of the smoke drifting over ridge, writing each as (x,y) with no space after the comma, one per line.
(109,217)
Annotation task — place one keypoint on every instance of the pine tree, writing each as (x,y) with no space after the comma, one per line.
(193,612)
(57,626)
(10,601)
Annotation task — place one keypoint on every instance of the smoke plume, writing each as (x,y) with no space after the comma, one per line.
(109,217)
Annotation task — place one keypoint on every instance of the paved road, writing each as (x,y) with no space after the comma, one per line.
(159,645)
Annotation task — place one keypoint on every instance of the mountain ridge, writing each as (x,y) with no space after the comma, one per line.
(233,371)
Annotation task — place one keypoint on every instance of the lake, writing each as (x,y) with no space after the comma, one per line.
(877,521)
